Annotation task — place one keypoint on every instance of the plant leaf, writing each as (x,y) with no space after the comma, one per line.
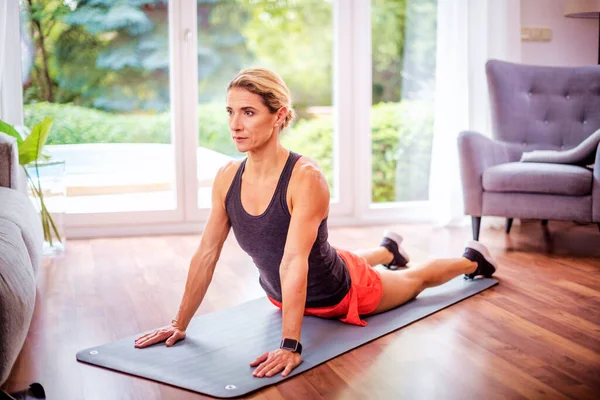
(11,131)
(32,146)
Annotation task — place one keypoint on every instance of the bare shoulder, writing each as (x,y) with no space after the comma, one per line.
(304,160)
(225,176)
(308,172)
(308,182)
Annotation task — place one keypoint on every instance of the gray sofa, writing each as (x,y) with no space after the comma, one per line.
(533,108)
(21,241)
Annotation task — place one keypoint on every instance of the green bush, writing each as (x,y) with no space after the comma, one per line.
(75,124)
(313,138)
(401,150)
(401,138)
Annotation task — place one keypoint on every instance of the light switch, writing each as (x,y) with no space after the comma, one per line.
(536,34)
(547,34)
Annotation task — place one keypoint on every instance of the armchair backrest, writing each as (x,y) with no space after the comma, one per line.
(545,107)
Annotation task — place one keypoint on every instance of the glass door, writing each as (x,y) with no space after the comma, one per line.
(101,71)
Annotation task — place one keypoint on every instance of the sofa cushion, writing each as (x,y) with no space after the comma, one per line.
(17,294)
(21,239)
(520,177)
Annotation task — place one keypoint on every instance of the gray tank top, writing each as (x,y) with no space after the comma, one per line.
(263,238)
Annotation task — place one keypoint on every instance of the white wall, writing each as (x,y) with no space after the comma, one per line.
(574,40)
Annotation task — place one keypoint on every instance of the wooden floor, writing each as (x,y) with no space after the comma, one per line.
(535,335)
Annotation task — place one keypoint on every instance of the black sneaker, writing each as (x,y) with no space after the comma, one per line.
(486,265)
(392,241)
(34,392)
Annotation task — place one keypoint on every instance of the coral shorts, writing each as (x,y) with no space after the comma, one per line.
(363,297)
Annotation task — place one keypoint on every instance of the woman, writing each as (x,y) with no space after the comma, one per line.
(277,203)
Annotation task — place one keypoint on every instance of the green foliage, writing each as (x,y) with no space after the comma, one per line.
(213,127)
(294,38)
(10,131)
(43,24)
(420,41)
(404,36)
(313,138)
(30,152)
(31,148)
(75,71)
(388,23)
(134,55)
(401,150)
(99,17)
(222,49)
(75,124)
(114,54)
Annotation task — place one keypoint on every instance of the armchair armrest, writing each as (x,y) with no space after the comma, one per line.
(477,153)
(9,162)
(596,188)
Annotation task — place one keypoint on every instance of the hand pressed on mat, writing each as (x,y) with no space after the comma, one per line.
(273,362)
(171,334)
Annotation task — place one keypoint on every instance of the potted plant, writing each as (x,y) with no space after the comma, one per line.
(31,156)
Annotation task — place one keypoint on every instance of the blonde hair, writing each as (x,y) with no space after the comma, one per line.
(269,86)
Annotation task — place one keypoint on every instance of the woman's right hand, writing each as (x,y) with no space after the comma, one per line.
(171,334)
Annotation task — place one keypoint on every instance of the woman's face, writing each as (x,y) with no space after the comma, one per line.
(250,122)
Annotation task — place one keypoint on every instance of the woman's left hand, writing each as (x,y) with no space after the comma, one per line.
(273,362)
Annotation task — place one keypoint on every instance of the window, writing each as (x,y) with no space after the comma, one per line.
(403,70)
(100,70)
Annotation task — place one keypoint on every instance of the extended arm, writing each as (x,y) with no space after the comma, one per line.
(310,205)
(202,265)
(204,260)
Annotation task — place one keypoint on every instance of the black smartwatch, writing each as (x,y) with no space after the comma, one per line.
(292,345)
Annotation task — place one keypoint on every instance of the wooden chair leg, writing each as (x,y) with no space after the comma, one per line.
(509,222)
(476,223)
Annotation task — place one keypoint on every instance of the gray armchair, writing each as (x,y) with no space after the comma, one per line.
(533,108)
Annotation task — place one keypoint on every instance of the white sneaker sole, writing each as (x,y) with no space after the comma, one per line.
(394,236)
(398,239)
(475,245)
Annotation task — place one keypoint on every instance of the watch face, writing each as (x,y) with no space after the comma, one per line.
(289,344)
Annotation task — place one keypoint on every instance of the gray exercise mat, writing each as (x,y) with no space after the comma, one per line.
(215,356)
